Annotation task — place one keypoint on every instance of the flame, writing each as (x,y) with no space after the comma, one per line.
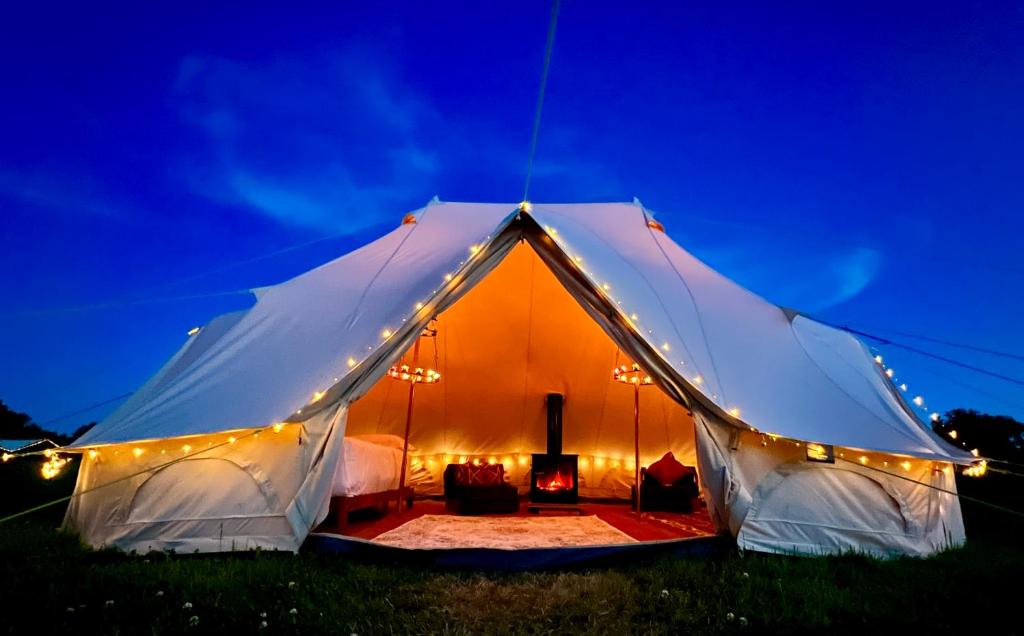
(555,482)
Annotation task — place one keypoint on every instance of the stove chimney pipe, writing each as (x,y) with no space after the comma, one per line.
(555,401)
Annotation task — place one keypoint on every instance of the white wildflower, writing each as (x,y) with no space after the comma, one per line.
(193,621)
(664,594)
(293,611)
(263,614)
(291,585)
(730,617)
(159,593)
(743,621)
(187,605)
(110,603)
(746,576)
(71,610)
(263,624)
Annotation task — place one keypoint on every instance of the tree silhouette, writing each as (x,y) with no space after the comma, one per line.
(15,425)
(995,436)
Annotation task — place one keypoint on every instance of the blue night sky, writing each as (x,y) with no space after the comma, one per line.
(862,163)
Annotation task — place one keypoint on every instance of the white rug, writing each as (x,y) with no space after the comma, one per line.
(501,533)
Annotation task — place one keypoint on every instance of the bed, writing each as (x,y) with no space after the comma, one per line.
(368,476)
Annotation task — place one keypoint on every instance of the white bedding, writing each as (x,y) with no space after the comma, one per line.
(367,467)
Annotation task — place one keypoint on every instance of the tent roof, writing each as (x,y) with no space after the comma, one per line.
(16,445)
(732,351)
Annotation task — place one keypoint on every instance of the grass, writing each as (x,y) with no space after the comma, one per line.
(49,583)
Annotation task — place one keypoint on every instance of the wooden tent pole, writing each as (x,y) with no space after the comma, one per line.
(408,426)
(636,443)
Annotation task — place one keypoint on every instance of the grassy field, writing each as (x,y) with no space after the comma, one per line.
(50,584)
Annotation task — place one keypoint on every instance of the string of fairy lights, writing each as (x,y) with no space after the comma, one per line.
(975,469)
(55,463)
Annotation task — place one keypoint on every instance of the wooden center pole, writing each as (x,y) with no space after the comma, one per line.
(408,425)
(636,442)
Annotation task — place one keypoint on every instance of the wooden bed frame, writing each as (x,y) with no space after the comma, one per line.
(341,506)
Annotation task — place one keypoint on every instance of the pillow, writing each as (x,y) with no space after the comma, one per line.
(482,475)
(381,439)
(668,470)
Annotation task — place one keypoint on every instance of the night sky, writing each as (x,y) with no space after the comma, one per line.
(862,163)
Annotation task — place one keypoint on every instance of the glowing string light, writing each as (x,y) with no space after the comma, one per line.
(52,466)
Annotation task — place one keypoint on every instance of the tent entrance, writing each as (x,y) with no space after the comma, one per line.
(514,338)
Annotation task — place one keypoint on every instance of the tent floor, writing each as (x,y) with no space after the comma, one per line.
(655,533)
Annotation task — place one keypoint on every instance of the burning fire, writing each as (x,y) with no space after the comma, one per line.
(558,481)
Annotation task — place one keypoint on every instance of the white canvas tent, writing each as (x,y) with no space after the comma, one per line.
(527,301)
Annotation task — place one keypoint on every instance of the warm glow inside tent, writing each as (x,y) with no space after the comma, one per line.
(507,344)
(525,301)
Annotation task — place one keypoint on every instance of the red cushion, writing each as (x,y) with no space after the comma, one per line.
(482,475)
(668,470)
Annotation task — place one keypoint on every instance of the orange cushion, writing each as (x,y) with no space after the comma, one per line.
(668,470)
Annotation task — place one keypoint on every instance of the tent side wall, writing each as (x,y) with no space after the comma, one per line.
(263,491)
(267,492)
(772,499)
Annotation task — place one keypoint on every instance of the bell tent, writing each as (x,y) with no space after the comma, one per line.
(801,441)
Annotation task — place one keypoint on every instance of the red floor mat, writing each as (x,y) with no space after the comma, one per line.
(657,526)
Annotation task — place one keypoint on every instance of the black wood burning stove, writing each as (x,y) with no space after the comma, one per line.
(554,477)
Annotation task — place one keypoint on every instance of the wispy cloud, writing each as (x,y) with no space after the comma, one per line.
(848,275)
(334,142)
(66,194)
(798,276)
